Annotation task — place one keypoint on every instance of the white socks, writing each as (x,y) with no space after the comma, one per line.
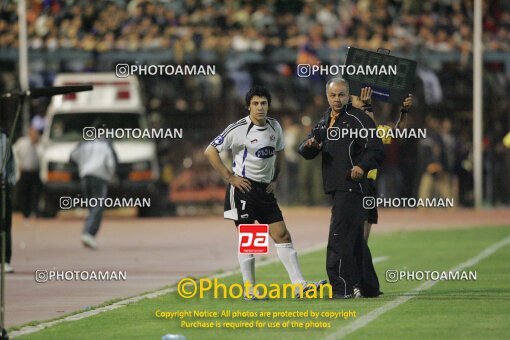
(247,263)
(288,256)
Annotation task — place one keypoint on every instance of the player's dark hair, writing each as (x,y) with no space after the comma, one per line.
(259,91)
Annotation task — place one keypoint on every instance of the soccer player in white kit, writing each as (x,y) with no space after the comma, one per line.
(257,144)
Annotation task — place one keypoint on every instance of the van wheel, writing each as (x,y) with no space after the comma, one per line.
(149,212)
(49,208)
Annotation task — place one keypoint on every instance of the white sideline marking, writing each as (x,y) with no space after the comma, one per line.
(32,329)
(379,259)
(366,319)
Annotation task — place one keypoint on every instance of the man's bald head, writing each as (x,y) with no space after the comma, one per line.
(337,80)
(337,92)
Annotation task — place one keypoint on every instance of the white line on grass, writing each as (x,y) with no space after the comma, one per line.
(371,316)
(32,329)
(379,259)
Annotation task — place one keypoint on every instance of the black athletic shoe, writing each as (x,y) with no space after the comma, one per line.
(308,285)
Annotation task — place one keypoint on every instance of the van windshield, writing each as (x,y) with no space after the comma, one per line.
(68,127)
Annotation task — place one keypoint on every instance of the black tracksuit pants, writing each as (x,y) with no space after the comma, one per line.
(28,192)
(349,261)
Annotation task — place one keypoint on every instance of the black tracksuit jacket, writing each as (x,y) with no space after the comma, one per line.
(339,156)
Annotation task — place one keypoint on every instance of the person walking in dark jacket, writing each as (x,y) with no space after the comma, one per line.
(97,162)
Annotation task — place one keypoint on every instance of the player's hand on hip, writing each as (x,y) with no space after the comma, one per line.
(240,183)
(271,188)
(357,173)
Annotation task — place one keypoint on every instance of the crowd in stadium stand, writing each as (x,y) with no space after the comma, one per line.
(191,25)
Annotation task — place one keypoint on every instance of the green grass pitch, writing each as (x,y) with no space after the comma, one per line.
(449,309)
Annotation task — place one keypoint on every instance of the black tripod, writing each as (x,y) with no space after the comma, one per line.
(5,154)
(2,262)
(21,95)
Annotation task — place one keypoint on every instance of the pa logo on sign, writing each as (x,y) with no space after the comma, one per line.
(253,238)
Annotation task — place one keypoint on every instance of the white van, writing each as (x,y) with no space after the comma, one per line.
(116,102)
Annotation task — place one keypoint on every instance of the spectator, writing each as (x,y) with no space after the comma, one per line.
(29,184)
(292,137)
(431,155)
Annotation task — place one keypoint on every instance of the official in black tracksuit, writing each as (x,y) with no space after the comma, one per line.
(346,159)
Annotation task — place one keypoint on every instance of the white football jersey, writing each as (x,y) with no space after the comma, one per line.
(253,147)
